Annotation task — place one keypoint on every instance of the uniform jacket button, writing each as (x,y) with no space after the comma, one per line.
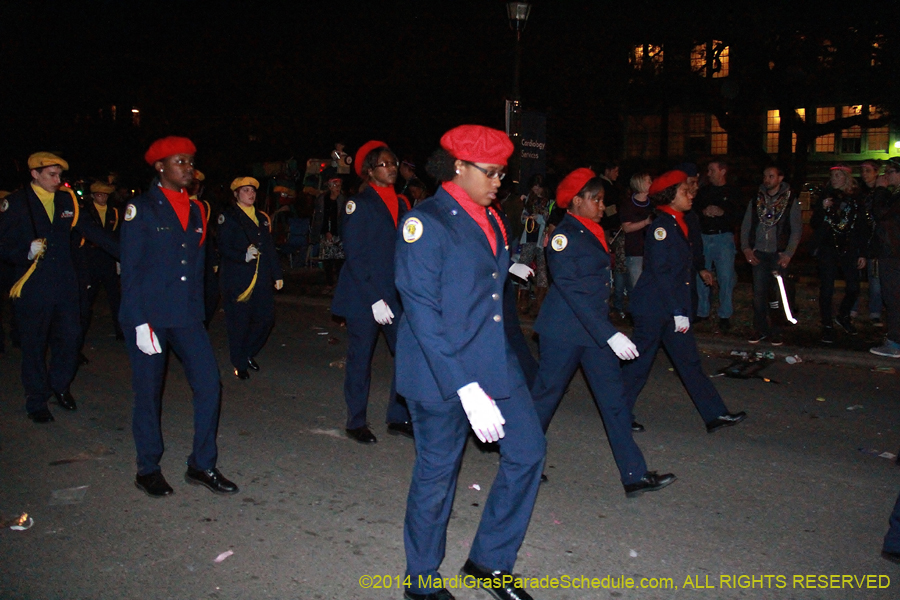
(497,318)
(184,262)
(495,296)
(183,278)
(494,275)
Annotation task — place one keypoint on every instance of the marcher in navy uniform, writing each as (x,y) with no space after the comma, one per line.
(103,268)
(457,370)
(575,330)
(163,239)
(366,295)
(36,235)
(211,270)
(7,279)
(249,273)
(661,305)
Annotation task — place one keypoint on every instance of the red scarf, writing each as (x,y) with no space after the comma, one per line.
(595,229)
(479,213)
(389,197)
(679,217)
(181,203)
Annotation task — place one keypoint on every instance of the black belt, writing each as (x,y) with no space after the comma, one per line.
(718,232)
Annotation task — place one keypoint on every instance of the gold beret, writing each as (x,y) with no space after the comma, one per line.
(102,188)
(242,181)
(198,175)
(46,159)
(3,194)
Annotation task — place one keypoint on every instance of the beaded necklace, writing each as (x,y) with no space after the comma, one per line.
(770,215)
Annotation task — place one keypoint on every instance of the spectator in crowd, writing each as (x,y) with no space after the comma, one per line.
(886,213)
(636,215)
(839,225)
(770,234)
(868,173)
(534,218)
(612,225)
(325,229)
(719,210)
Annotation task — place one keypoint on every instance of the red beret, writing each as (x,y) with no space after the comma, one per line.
(571,185)
(665,180)
(476,143)
(363,151)
(168,146)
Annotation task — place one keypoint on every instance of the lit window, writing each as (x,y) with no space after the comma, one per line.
(825,143)
(877,138)
(851,139)
(710,59)
(773,122)
(647,57)
(719,143)
(698,131)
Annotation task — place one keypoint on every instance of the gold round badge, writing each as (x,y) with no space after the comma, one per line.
(351,206)
(221,219)
(4,206)
(559,242)
(659,233)
(412,230)
(130,212)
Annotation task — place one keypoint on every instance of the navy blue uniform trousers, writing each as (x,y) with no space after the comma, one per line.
(249,324)
(362,336)
(49,322)
(192,346)
(559,360)
(649,332)
(442,429)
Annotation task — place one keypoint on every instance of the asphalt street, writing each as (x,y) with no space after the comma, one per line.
(792,503)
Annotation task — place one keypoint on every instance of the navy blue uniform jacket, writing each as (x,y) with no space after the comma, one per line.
(24,219)
(664,286)
(369,237)
(162,263)
(575,307)
(236,232)
(452,331)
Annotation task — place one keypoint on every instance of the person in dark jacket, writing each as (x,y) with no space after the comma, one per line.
(249,272)
(574,328)
(163,238)
(886,240)
(366,295)
(840,232)
(662,305)
(102,267)
(40,230)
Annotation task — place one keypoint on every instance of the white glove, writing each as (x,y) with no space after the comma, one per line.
(383,313)
(147,340)
(118,268)
(623,347)
(521,270)
(37,248)
(484,416)
(682,324)
(279,284)
(252,253)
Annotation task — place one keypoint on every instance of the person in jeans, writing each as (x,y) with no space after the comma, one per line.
(770,234)
(719,211)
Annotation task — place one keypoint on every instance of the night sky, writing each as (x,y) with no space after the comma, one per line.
(266,81)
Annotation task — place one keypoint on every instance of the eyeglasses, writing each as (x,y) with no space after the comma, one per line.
(489,174)
(388,165)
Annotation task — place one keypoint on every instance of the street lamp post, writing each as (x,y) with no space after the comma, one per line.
(517,13)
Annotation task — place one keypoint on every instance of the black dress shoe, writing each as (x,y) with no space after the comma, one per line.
(363,435)
(544,478)
(726,420)
(253,364)
(241,374)
(441,594)
(405,429)
(41,416)
(894,557)
(212,479)
(66,400)
(154,485)
(492,582)
(650,482)
(635,426)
